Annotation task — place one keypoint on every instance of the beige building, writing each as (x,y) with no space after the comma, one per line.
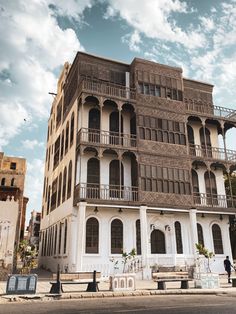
(12,205)
(33,228)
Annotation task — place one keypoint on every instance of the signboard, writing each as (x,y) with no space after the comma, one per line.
(21,284)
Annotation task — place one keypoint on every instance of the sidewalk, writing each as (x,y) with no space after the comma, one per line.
(143,288)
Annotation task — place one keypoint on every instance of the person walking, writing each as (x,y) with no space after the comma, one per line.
(228,265)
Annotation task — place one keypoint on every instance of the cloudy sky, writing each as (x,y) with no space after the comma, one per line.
(38,36)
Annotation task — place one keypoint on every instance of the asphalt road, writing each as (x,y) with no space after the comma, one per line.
(176,304)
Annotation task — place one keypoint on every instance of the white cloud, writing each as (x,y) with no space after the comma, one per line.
(32,47)
(207,23)
(153,19)
(133,40)
(32,144)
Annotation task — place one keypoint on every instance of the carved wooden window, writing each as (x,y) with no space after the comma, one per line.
(178,238)
(116,236)
(138,237)
(72,124)
(92,236)
(200,234)
(64,185)
(217,239)
(69,180)
(59,190)
(158,242)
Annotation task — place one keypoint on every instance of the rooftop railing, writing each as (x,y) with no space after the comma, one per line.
(212,152)
(108,89)
(216,111)
(106,138)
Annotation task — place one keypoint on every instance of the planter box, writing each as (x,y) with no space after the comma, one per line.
(207,280)
(122,282)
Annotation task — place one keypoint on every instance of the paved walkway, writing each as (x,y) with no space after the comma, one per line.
(143,287)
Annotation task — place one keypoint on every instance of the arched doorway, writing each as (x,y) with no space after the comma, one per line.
(116,127)
(158,245)
(94,125)
(116,179)
(93,178)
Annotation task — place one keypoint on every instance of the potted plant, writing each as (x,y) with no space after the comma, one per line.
(204,277)
(125,280)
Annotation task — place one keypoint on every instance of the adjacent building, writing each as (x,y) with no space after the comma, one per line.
(33,228)
(133,161)
(12,206)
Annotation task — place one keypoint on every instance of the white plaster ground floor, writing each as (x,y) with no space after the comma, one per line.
(92,237)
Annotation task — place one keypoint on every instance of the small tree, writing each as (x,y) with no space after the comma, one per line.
(125,257)
(27,254)
(207,254)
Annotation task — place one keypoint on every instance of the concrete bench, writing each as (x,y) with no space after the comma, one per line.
(90,278)
(162,277)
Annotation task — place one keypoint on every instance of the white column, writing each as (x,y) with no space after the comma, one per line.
(144,241)
(72,248)
(80,234)
(193,228)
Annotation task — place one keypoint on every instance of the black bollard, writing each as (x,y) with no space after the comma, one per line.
(56,286)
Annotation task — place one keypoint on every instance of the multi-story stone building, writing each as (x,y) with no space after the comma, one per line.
(133,161)
(12,205)
(33,228)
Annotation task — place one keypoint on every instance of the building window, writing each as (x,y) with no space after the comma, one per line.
(178,238)
(69,180)
(49,199)
(3,181)
(55,241)
(12,181)
(138,238)
(93,178)
(67,137)
(200,234)
(217,239)
(54,195)
(92,236)
(116,236)
(62,145)
(158,245)
(60,236)
(56,152)
(65,236)
(59,190)
(64,185)
(211,188)
(59,112)
(72,124)
(13,165)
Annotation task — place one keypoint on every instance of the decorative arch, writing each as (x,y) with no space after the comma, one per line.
(178,238)
(116,236)
(158,245)
(217,239)
(92,236)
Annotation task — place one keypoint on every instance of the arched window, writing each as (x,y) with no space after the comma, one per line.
(55,241)
(116,236)
(195,184)
(211,189)
(217,239)
(158,245)
(72,124)
(69,180)
(64,185)
(67,137)
(49,198)
(93,178)
(59,190)
(116,178)
(138,238)
(12,181)
(191,140)
(178,238)
(92,236)
(59,240)
(200,234)
(65,237)
(115,127)
(62,144)
(3,181)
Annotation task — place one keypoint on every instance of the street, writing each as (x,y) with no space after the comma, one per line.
(206,304)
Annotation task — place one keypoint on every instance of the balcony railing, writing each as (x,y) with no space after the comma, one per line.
(106,138)
(212,152)
(214,200)
(106,192)
(216,111)
(109,89)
